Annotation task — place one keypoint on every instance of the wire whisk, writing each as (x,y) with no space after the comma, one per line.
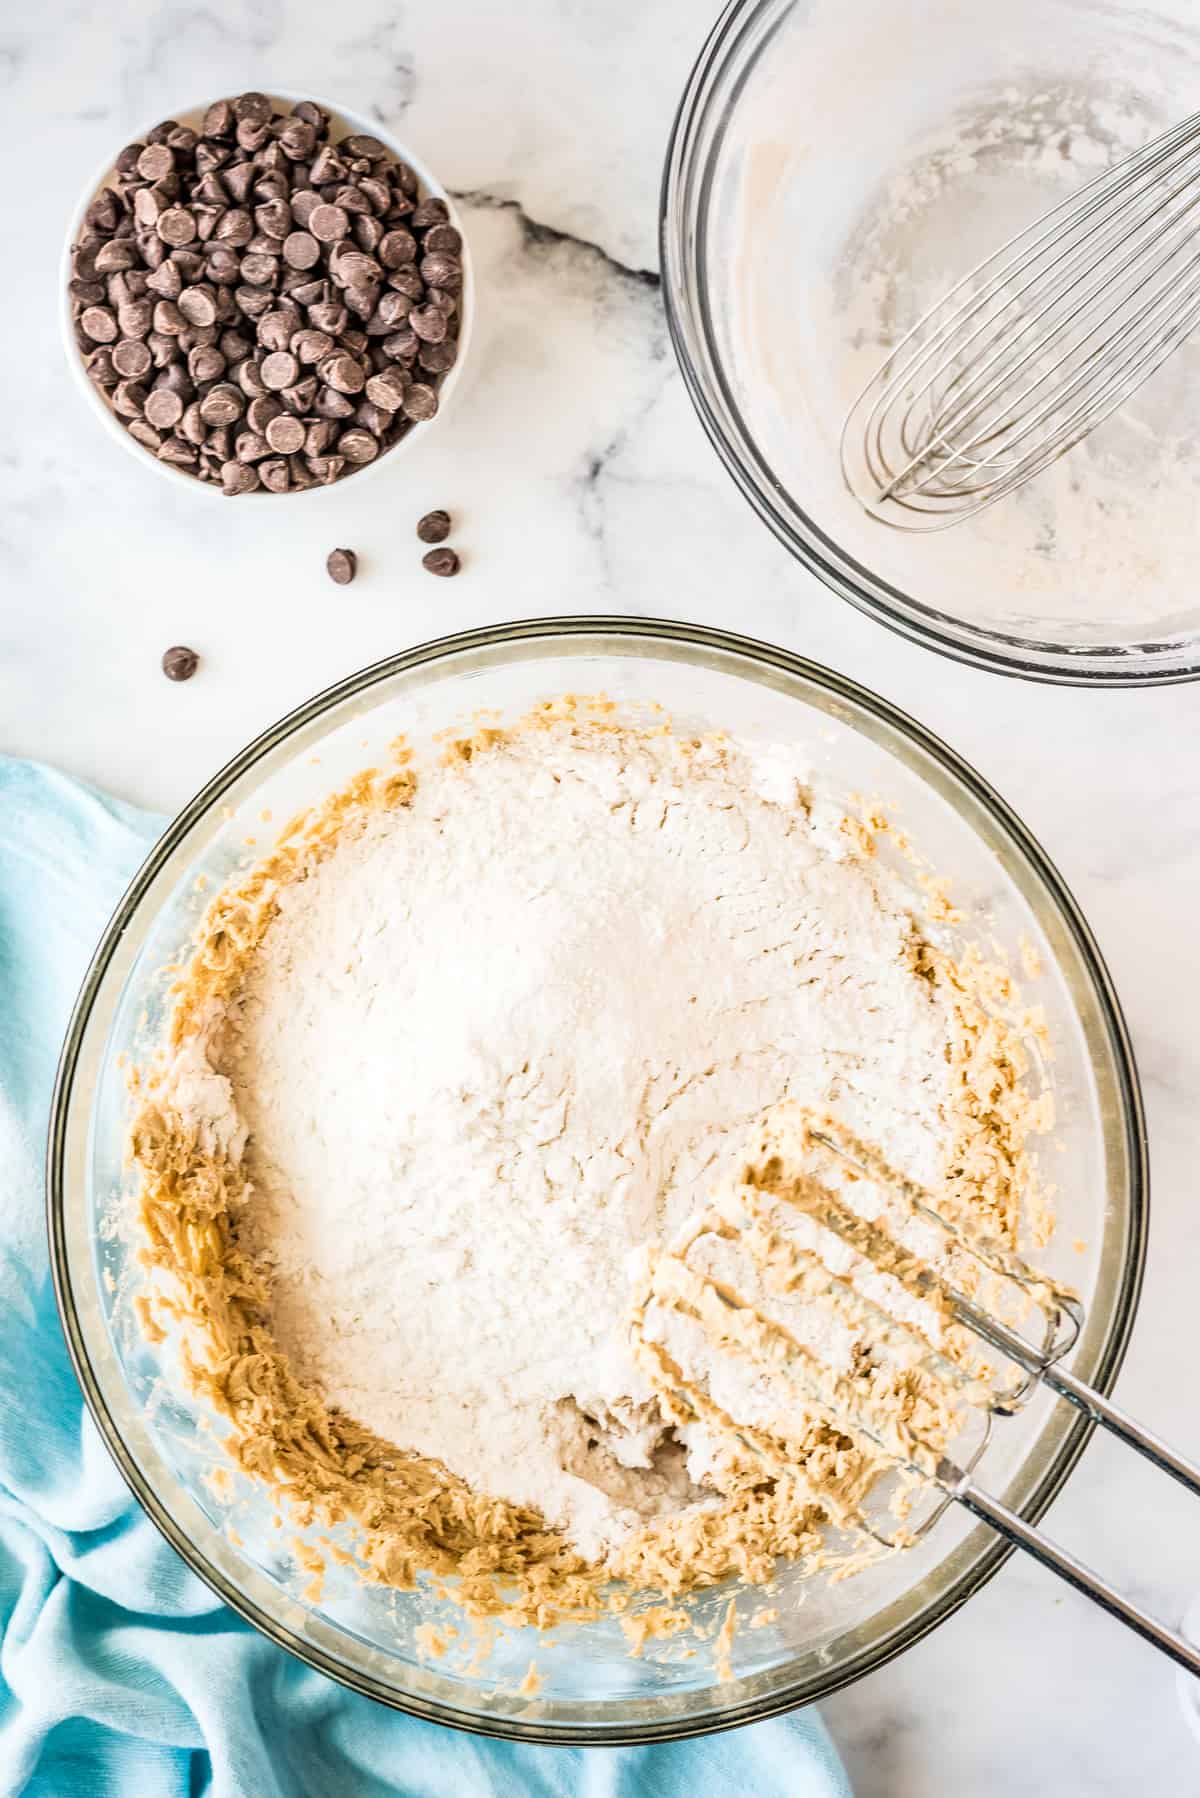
(1036,346)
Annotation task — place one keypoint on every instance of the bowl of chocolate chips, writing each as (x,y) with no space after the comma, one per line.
(266,295)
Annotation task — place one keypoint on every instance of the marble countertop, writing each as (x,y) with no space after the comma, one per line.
(582,482)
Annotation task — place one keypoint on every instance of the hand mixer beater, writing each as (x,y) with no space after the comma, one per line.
(827,1287)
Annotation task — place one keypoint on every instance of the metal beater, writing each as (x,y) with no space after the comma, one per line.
(1037,345)
(776,1228)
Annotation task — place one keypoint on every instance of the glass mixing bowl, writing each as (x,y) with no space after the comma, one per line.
(833,169)
(592,1691)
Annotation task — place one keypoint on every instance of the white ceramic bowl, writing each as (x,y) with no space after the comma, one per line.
(343,123)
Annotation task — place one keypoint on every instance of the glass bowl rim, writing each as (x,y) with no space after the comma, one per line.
(679,238)
(767,657)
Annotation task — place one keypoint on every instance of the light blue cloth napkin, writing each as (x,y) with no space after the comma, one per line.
(121,1676)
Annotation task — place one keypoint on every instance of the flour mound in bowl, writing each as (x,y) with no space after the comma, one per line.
(470,1038)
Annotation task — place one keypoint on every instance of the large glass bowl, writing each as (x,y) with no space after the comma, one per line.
(834,167)
(592,1691)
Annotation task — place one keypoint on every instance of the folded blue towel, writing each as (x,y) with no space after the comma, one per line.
(121,1675)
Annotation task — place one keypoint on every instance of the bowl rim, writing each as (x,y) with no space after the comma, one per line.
(1131,1125)
(353,121)
(680,236)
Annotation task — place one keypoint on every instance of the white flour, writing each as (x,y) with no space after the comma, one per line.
(508,1034)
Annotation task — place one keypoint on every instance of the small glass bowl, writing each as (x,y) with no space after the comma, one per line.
(592,1691)
(343,123)
(833,168)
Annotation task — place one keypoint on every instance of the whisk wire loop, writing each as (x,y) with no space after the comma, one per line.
(1035,346)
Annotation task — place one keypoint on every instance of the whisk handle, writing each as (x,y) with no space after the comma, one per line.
(1122,1426)
(1014,1528)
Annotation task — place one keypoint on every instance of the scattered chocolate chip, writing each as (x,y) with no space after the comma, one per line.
(180,663)
(253,300)
(434,527)
(341,565)
(441,561)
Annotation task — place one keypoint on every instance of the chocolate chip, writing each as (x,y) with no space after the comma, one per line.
(301,250)
(429,212)
(155,163)
(297,139)
(118,254)
(277,328)
(441,271)
(136,318)
(261,411)
(343,372)
(178,453)
(441,561)
(299,398)
(163,409)
(434,527)
(362,145)
(279,370)
(176,226)
(341,566)
(238,477)
(248,446)
(319,436)
(436,358)
(205,363)
(180,663)
(285,434)
(128,399)
(252,108)
(444,239)
(329,223)
(420,402)
(222,405)
(357,445)
(274,475)
(99,324)
(429,323)
(146,435)
(198,305)
(386,390)
(397,247)
(311,347)
(258,269)
(274,219)
(219,119)
(329,403)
